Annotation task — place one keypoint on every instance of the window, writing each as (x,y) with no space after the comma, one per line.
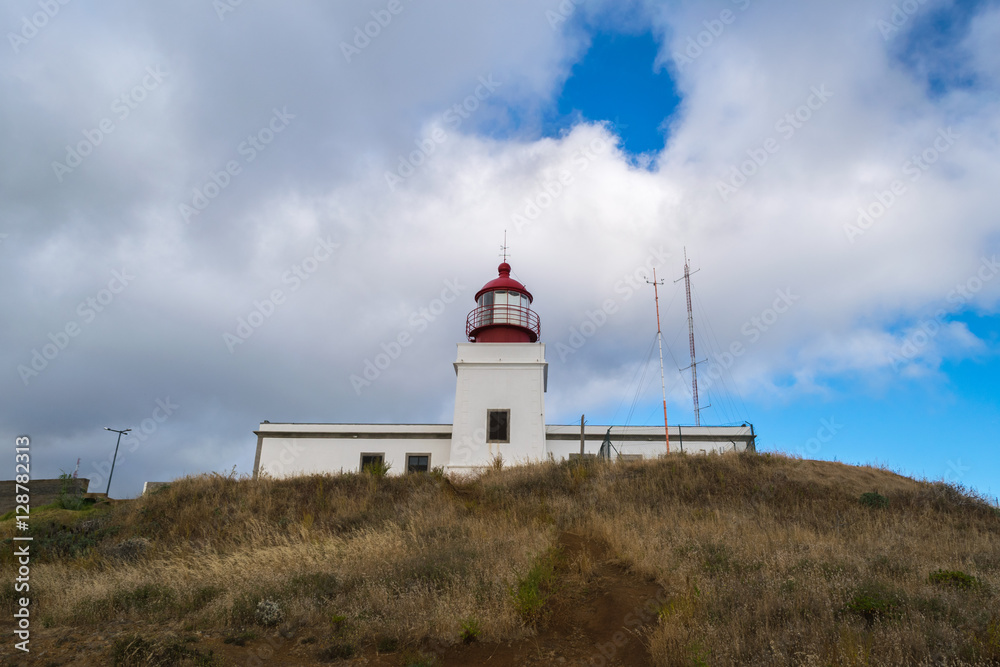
(418,462)
(500,307)
(372,460)
(486,314)
(498,426)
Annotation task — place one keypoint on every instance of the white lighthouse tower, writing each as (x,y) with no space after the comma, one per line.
(501,380)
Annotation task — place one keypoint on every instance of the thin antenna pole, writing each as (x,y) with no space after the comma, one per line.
(659,340)
(694,364)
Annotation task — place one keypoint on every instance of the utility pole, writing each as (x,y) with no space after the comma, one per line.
(694,364)
(114,430)
(659,339)
(581,437)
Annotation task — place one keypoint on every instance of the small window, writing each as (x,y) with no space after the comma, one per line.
(418,462)
(372,461)
(498,426)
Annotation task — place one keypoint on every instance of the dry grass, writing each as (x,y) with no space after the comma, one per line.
(764,559)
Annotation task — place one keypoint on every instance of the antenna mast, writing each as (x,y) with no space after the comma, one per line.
(659,339)
(694,364)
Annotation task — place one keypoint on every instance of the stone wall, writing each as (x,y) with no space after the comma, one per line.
(41,491)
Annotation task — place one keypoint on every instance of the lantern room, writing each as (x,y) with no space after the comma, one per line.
(503,313)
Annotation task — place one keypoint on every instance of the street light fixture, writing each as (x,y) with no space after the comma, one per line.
(114,430)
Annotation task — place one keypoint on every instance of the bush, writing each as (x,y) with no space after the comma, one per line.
(70,494)
(955,579)
(337,651)
(874,500)
(379,469)
(875,602)
(531,592)
(268,613)
(470,630)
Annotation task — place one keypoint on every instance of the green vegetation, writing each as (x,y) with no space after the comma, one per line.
(874,500)
(954,579)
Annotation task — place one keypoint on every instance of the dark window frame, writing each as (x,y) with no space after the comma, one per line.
(410,455)
(364,455)
(489,429)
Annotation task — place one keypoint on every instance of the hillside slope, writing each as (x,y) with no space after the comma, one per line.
(721,560)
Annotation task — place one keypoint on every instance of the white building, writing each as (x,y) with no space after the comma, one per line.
(502,377)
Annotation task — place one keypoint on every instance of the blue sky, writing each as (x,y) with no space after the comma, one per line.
(830,168)
(919,426)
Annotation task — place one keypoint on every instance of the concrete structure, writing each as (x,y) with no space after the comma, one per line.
(501,380)
(41,491)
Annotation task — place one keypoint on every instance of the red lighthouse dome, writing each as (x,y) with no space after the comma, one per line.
(502,313)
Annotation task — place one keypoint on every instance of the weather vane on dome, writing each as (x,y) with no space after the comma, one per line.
(503,248)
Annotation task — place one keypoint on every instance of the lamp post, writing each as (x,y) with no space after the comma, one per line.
(114,430)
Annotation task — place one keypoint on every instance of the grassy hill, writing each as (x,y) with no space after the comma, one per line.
(687,560)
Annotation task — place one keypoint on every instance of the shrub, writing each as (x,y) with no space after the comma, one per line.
(531,591)
(70,494)
(387,644)
(874,500)
(470,630)
(337,651)
(268,613)
(955,579)
(875,602)
(379,469)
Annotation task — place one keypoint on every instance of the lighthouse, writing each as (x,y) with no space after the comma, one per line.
(501,378)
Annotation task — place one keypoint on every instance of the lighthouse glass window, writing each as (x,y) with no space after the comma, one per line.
(500,307)
(498,426)
(486,312)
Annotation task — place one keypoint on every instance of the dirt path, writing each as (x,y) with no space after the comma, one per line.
(596,615)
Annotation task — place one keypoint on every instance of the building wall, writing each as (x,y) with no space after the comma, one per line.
(285,450)
(504,376)
(648,441)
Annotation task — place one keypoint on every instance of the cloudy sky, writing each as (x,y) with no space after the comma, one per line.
(217,213)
